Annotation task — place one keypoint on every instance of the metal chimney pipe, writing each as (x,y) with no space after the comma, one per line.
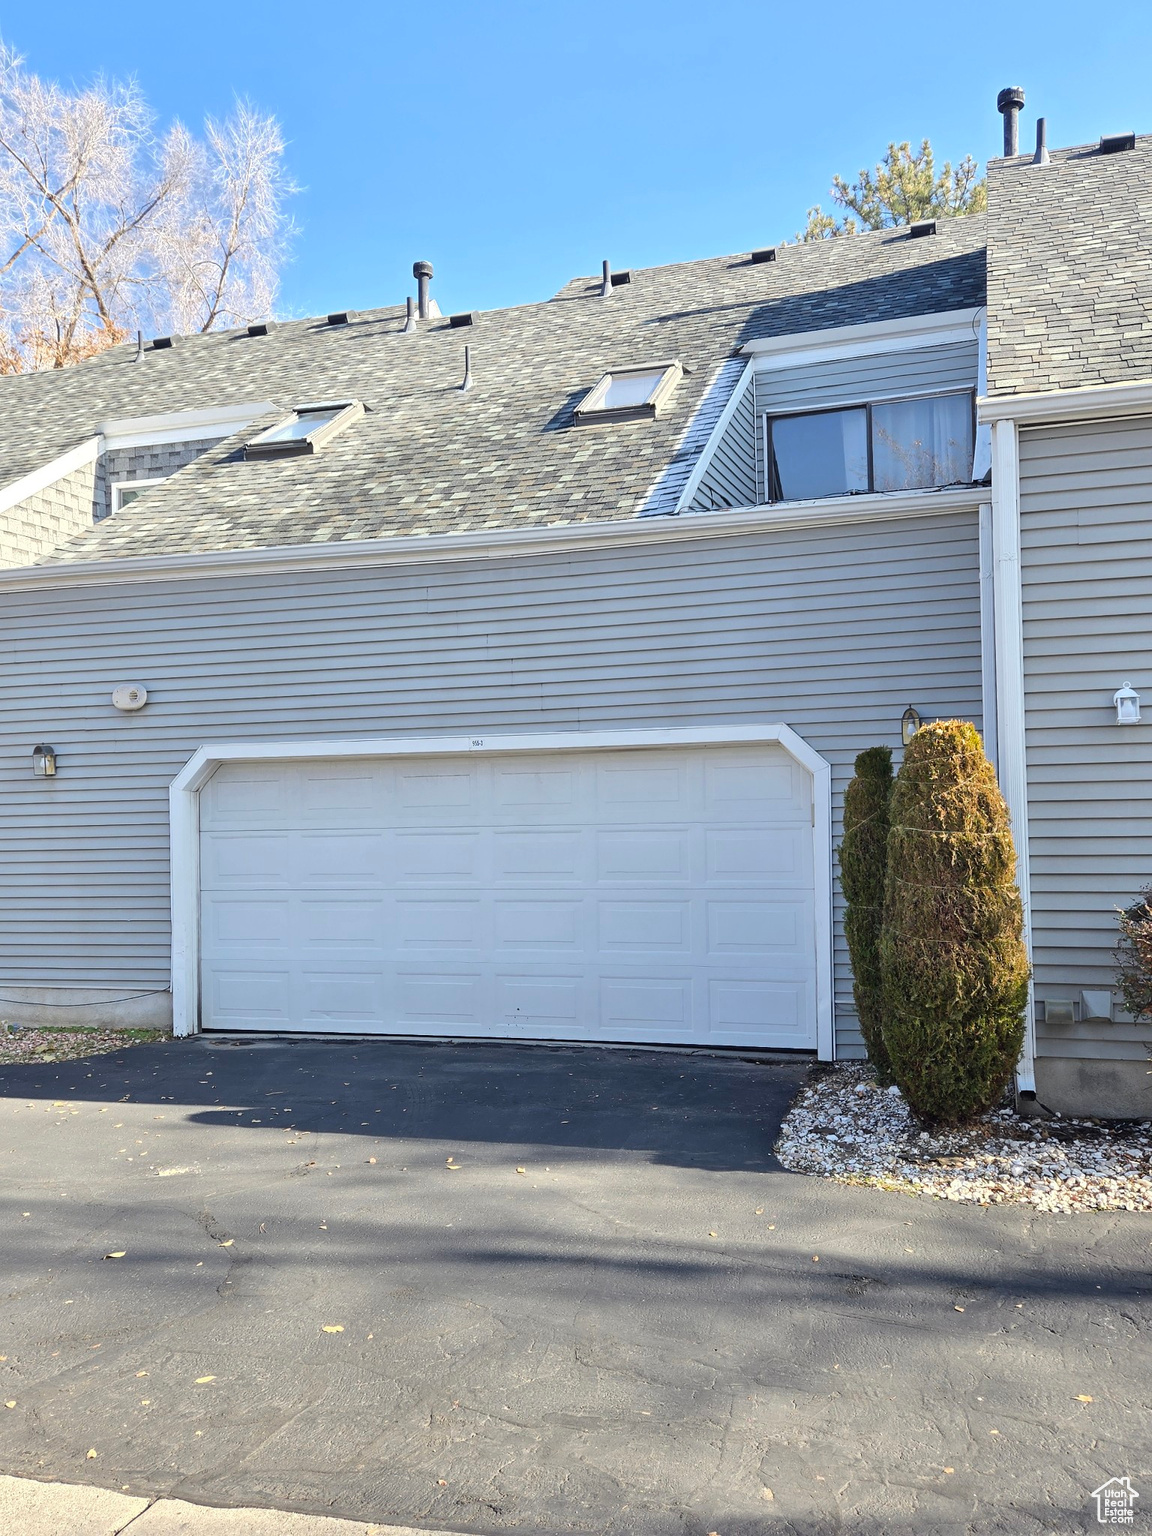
(139,347)
(410,322)
(1009,102)
(1041,157)
(422,272)
(606,282)
(467,384)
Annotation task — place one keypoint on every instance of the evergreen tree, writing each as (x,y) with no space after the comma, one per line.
(863,863)
(904,188)
(954,967)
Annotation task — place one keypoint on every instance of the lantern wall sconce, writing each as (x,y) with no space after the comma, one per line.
(44,761)
(910,723)
(1127,702)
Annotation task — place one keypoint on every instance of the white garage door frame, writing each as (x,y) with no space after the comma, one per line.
(184,808)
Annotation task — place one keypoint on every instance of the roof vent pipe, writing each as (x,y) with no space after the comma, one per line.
(1009,102)
(467,384)
(139,347)
(410,322)
(606,283)
(1041,157)
(422,272)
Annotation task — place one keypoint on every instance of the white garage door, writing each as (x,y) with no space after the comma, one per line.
(661,895)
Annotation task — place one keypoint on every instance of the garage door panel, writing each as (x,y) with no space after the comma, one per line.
(540,923)
(240,997)
(639,926)
(647,895)
(245,923)
(748,1009)
(549,1000)
(540,854)
(429,855)
(743,790)
(245,797)
(658,853)
(753,926)
(428,1000)
(253,860)
(440,923)
(651,1005)
(334,923)
(437,788)
(342,996)
(766,855)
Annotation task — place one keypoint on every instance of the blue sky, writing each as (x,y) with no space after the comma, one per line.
(516,145)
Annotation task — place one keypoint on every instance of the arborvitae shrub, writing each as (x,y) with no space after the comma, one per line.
(1134,957)
(863,861)
(954,967)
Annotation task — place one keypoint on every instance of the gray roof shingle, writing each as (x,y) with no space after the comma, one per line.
(1070,270)
(427,458)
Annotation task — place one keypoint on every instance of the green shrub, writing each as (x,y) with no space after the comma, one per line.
(863,861)
(1134,957)
(954,967)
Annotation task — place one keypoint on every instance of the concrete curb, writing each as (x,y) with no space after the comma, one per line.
(73,1509)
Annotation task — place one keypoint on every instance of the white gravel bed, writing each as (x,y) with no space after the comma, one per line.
(843,1127)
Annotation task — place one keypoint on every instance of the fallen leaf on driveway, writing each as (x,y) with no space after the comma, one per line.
(118,1255)
(815,1258)
(949,1469)
(89,1455)
(957,1309)
(11,1403)
(521,1170)
(371,1159)
(713,1234)
(766,1493)
(332,1328)
(141,1373)
(202,1381)
(228,1242)
(759,1210)
(1082,1397)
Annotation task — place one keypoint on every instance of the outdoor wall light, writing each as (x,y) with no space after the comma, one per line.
(910,723)
(44,761)
(1127,702)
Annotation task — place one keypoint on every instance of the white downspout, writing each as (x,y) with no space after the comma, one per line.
(1008,621)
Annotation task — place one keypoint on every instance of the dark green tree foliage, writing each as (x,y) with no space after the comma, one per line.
(955,971)
(863,862)
(1134,957)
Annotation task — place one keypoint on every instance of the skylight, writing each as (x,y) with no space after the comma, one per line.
(629,394)
(307,429)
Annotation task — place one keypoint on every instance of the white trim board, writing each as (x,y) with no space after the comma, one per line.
(1008,627)
(1095,402)
(40,479)
(182,426)
(489,544)
(184,812)
(845,341)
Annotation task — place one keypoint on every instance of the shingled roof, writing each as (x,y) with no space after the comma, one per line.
(428,458)
(1070,270)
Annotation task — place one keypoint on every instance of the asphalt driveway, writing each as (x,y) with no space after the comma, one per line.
(506,1288)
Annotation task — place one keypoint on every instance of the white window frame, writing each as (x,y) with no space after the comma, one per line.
(184,814)
(592,408)
(117,488)
(263,446)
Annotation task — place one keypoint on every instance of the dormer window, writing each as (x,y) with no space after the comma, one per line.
(892,445)
(306,430)
(629,394)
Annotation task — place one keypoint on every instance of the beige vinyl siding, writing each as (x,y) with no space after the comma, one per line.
(858,380)
(1086,572)
(832,631)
